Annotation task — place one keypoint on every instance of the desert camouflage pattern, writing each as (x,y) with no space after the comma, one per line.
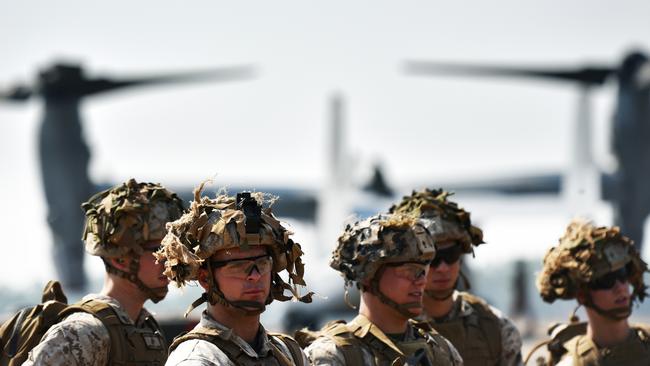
(448,222)
(468,314)
(326,351)
(198,352)
(216,224)
(119,220)
(584,253)
(79,339)
(367,245)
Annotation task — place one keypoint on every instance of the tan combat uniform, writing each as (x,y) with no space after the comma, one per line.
(83,339)
(482,334)
(211,343)
(582,351)
(362,343)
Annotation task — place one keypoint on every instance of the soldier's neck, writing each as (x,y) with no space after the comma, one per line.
(383,316)
(606,332)
(126,293)
(245,326)
(437,308)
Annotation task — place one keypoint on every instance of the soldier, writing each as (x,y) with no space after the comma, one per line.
(124,226)
(596,266)
(481,333)
(387,256)
(236,249)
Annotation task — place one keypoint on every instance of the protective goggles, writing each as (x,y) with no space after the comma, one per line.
(411,271)
(608,281)
(242,268)
(448,255)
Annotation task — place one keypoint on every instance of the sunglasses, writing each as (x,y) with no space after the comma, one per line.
(410,271)
(448,255)
(242,268)
(608,281)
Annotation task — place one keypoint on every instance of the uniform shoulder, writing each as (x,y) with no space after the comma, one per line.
(197,352)
(80,339)
(324,351)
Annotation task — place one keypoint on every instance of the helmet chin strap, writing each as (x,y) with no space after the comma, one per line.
(403,309)
(614,314)
(154,294)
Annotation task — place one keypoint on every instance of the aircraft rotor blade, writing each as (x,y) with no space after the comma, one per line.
(17,93)
(99,85)
(590,75)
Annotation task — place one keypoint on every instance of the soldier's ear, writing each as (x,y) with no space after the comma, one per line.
(203,278)
(120,263)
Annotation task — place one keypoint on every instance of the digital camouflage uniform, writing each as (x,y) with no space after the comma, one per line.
(363,251)
(226,222)
(585,253)
(118,222)
(82,339)
(481,333)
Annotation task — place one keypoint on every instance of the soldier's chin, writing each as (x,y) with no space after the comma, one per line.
(159,294)
(413,308)
(440,294)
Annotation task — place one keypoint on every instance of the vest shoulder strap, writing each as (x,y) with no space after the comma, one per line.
(111,320)
(292,345)
(584,351)
(348,344)
(489,322)
(233,352)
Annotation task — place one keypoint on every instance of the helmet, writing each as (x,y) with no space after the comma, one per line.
(365,246)
(584,253)
(228,222)
(120,219)
(447,221)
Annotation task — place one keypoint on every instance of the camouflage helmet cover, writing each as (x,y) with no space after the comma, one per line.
(584,253)
(368,244)
(120,219)
(211,225)
(448,222)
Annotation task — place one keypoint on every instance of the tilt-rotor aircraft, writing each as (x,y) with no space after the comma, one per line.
(627,189)
(64,155)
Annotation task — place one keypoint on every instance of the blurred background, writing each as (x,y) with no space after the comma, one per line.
(338,109)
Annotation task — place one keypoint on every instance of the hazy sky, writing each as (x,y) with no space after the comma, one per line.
(273,129)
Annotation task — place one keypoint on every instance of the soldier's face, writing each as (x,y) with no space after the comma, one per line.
(616,297)
(150,272)
(404,283)
(243,275)
(442,275)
